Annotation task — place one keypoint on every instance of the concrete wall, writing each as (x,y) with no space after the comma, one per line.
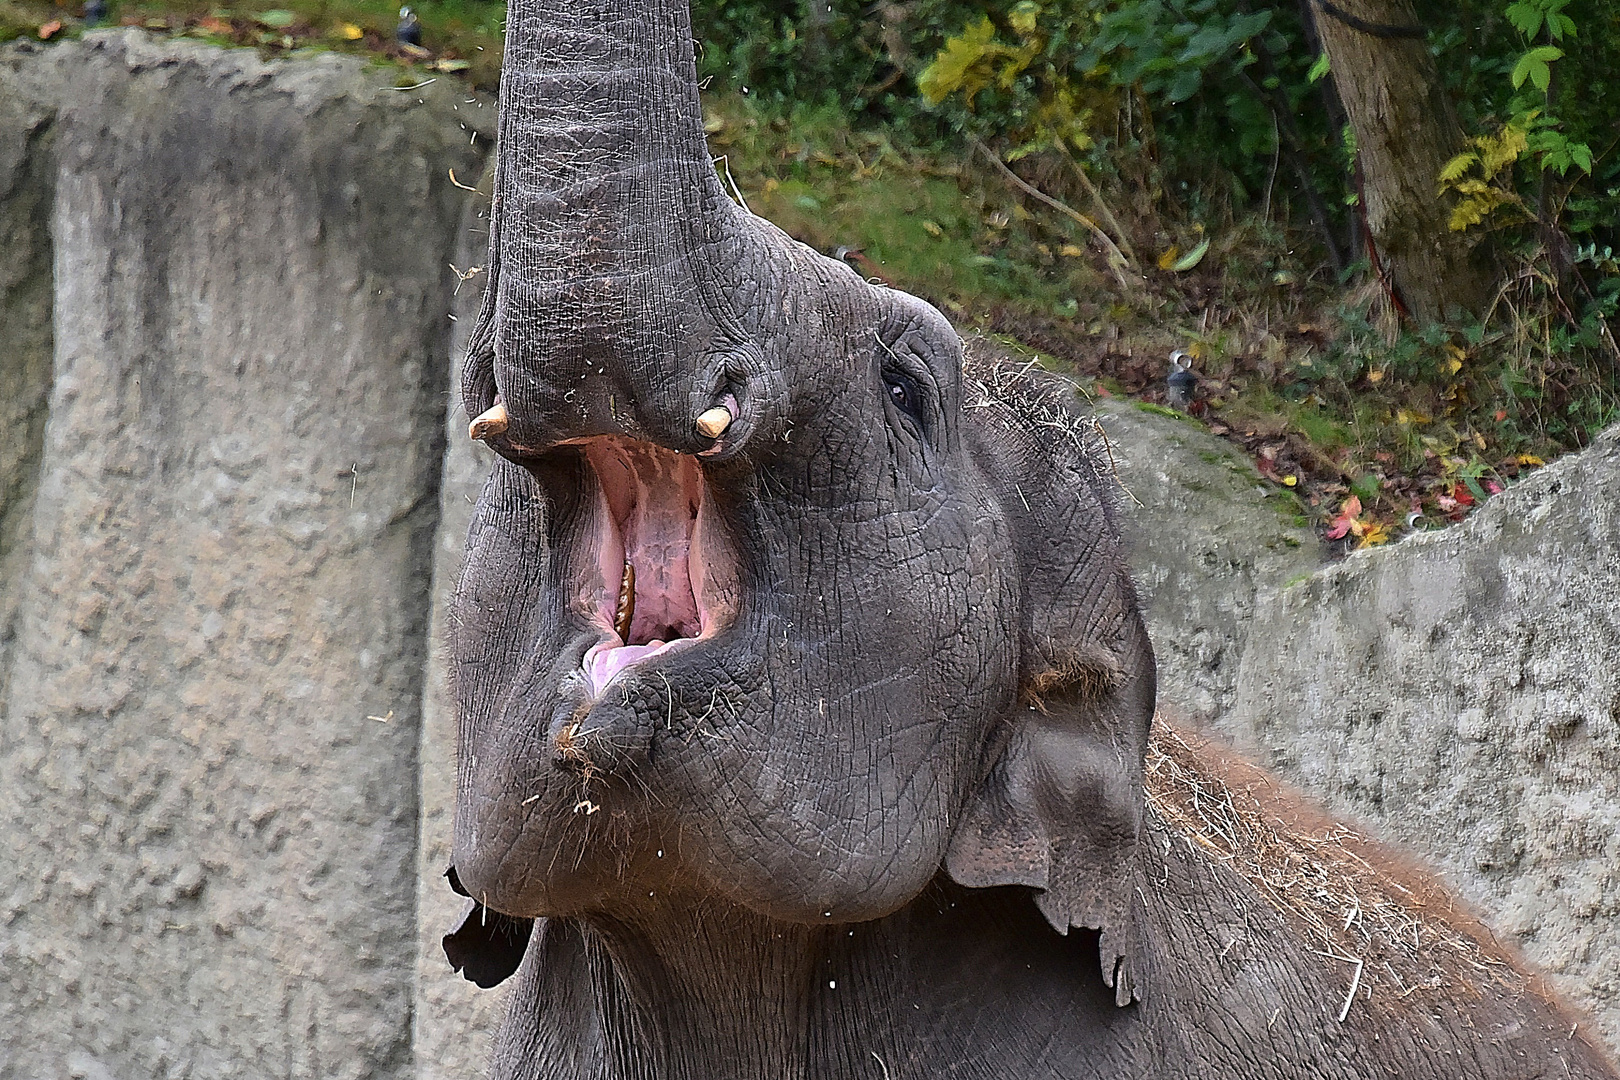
(211,846)
(1208,540)
(1461,692)
(1458,691)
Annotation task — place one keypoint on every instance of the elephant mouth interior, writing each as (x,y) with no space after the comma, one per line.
(651,548)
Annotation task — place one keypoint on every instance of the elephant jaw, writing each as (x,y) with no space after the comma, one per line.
(666,581)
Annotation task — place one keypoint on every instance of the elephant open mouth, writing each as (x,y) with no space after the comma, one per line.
(667,577)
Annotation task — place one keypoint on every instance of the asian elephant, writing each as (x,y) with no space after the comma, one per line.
(804,701)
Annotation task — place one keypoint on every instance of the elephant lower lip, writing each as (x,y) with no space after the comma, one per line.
(662,579)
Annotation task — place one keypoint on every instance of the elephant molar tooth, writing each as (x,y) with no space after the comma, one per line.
(625,611)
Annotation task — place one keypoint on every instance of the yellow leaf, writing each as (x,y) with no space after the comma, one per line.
(1071,251)
(349,32)
(1530,459)
(1375,376)
(1453,361)
(1290,480)
(1168,259)
(962,64)
(932,228)
(1022,17)
(1458,165)
(1479,199)
(1502,150)
(1374,535)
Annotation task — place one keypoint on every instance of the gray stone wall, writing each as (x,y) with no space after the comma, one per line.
(211,845)
(1458,691)
(1461,692)
(1208,540)
(454,1020)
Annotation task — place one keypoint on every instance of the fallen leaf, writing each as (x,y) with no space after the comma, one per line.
(1168,259)
(1071,250)
(1191,259)
(348,32)
(1501,415)
(1290,480)
(1529,459)
(1346,521)
(1374,535)
(1375,376)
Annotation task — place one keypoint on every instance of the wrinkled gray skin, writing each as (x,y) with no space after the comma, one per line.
(848,834)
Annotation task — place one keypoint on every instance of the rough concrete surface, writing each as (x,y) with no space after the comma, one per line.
(453,1020)
(210,846)
(1461,691)
(1208,539)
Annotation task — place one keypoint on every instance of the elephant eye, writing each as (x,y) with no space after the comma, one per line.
(903,395)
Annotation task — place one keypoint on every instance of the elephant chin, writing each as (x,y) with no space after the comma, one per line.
(660,576)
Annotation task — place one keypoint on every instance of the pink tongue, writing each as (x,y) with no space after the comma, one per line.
(606,660)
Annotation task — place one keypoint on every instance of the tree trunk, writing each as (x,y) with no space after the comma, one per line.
(1406,130)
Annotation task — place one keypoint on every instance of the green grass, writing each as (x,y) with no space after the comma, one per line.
(917,215)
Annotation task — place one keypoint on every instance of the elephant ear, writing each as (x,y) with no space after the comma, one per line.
(1060,806)
(488,946)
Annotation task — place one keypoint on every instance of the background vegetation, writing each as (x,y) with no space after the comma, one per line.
(1103,181)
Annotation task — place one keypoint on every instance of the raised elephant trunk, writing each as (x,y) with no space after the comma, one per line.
(608,231)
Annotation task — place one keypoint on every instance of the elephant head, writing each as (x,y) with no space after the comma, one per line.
(772,598)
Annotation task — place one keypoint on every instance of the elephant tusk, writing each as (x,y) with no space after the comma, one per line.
(490,422)
(713,422)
